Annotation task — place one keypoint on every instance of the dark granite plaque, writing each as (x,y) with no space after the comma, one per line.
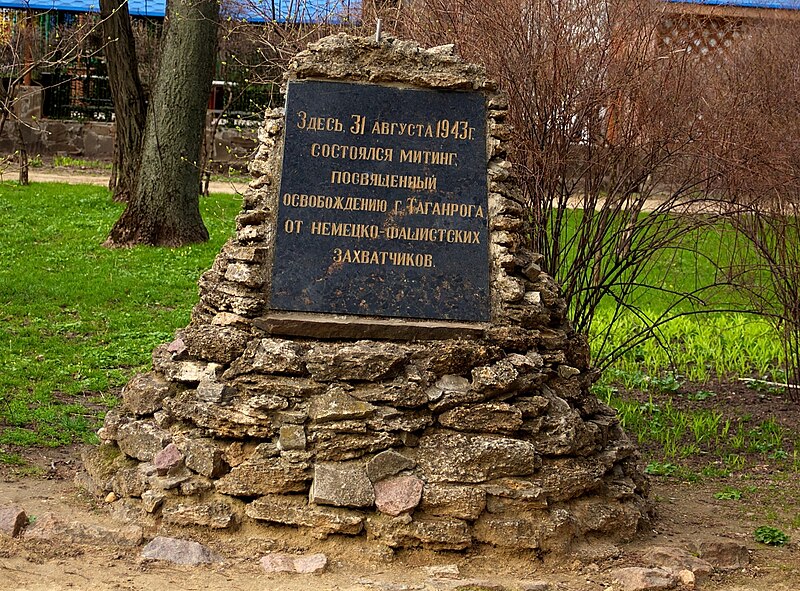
(383,203)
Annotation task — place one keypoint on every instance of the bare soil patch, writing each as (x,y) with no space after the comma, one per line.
(74,176)
(685,513)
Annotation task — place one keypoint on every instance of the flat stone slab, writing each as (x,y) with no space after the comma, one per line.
(350,327)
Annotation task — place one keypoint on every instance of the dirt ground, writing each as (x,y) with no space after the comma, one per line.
(75,176)
(686,512)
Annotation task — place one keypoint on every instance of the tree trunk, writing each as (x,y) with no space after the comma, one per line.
(23,155)
(130,108)
(164,209)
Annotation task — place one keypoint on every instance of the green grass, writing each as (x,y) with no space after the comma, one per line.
(79,319)
(69,162)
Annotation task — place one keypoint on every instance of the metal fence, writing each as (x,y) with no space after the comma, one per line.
(80,91)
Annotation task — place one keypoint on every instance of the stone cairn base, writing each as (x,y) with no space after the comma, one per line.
(445,444)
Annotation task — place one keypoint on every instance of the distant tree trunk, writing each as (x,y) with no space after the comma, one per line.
(164,209)
(23,156)
(130,108)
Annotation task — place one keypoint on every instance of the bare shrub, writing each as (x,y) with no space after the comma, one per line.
(605,126)
(753,117)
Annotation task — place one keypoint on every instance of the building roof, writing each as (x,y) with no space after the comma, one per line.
(249,10)
(763,4)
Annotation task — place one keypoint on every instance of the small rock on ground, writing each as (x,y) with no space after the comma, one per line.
(643,579)
(277,562)
(676,559)
(12,520)
(443,571)
(179,551)
(723,554)
(467,585)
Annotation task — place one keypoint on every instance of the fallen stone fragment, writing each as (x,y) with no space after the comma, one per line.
(676,559)
(50,527)
(687,578)
(313,563)
(167,459)
(723,554)
(443,571)
(277,562)
(12,520)
(397,495)
(179,551)
(390,586)
(469,585)
(644,579)
(533,586)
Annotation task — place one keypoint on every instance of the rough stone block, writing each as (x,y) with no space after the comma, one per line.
(277,562)
(204,457)
(142,440)
(168,459)
(131,481)
(488,417)
(215,342)
(343,484)
(51,527)
(678,559)
(441,534)
(337,447)
(271,356)
(215,515)
(363,361)
(398,494)
(102,462)
(388,463)
(145,393)
(152,500)
(337,405)
(398,393)
(514,493)
(295,510)
(260,476)
(461,502)
(723,554)
(450,456)
(292,437)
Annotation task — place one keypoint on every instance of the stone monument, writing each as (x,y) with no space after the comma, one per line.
(376,354)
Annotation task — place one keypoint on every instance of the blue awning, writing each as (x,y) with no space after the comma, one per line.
(255,11)
(135,7)
(763,4)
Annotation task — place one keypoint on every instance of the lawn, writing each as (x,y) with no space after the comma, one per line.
(79,319)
